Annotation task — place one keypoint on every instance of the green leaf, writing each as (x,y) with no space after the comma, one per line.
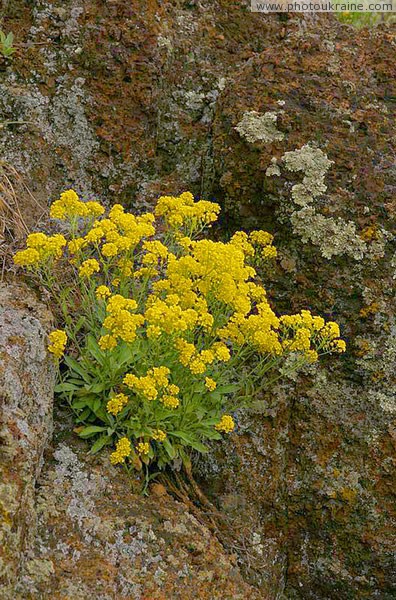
(78,368)
(100,442)
(65,387)
(90,431)
(227,389)
(95,388)
(169,449)
(94,349)
(79,404)
(84,415)
(189,440)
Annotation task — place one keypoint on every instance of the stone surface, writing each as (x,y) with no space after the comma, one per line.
(323,459)
(27,378)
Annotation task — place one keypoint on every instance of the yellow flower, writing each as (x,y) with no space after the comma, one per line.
(226,424)
(338,346)
(75,245)
(94,209)
(102,292)
(107,342)
(158,435)
(109,250)
(89,267)
(27,257)
(58,339)
(69,205)
(261,238)
(269,252)
(170,401)
(117,403)
(210,384)
(123,449)
(143,448)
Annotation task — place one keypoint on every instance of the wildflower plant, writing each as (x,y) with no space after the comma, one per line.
(164,329)
(6,44)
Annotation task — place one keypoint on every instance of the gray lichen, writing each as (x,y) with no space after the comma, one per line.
(255,127)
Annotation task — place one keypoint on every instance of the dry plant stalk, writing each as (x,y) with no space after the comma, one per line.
(13,227)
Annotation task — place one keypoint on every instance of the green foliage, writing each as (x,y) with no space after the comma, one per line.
(6,44)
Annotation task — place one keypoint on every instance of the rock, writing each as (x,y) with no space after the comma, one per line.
(316,458)
(97,538)
(27,377)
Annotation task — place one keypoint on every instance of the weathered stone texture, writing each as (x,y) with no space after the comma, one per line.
(27,378)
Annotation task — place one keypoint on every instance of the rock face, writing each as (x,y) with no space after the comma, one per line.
(128,100)
(27,378)
(71,526)
(323,462)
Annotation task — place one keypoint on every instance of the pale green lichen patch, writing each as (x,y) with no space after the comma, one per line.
(257,127)
(333,236)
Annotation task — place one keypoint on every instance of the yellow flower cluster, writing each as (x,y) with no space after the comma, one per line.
(122,451)
(155,252)
(40,248)
(58,340)
(143,447)
(197,361)
(226,424)
(158,435)
(89,267)
(246,243)
(102,292)
(304,329)
(258,330)
(120,321)
(120,232)
(69,205)
(150,384)
(210,384)
(117,403)
(178,211)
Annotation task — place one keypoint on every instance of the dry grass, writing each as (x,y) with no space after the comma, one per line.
(15,197)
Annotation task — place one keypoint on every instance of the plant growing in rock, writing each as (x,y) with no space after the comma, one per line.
(167,330)
(6,44)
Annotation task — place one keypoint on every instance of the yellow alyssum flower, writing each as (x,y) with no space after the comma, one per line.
(102,292)
(145,385)
(76,245)
(143,447)
(269,252)
(109,250)
(122,451)
(158,435)
(95,209)
(107,342)
(155,251)
(210,384)
(221,351)
(40,248)
(226,424)
(89,267)
(117,403)
(69,205)
(338,345)
(182,210)
(26,258)
(170,401)
(58,340)
(261,238)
